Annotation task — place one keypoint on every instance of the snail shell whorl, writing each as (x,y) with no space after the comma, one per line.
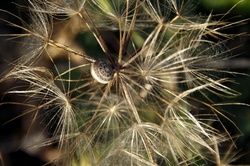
(102,71)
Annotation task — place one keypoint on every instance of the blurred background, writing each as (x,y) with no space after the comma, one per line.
(12,133)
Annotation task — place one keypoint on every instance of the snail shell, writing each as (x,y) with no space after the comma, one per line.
(102,71)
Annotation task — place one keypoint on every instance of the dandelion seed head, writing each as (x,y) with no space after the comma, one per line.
(136,106)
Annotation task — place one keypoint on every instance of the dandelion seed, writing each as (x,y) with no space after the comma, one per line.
(35,35)
(65,7)
(51,102)
(114,14)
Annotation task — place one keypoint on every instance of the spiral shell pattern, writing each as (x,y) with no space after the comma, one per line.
(102,71)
